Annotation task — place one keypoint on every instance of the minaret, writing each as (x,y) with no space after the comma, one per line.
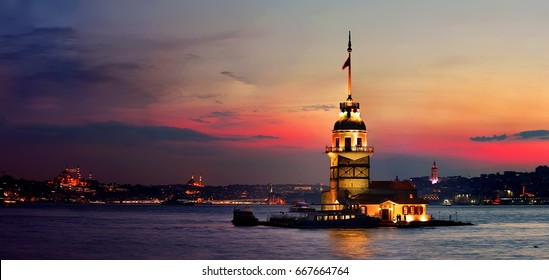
(78,173)
(349,153)
(434,173)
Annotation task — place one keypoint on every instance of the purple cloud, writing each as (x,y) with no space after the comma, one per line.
(520,136)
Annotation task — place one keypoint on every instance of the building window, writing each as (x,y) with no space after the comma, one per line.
(359,142)
(337,143)
(405,210)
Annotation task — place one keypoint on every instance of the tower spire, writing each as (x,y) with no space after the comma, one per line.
(349,50)
(348,64)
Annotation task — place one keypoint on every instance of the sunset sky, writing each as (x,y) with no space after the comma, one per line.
(248,91)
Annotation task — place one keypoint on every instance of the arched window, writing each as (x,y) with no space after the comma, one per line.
(412,208)
(405,210)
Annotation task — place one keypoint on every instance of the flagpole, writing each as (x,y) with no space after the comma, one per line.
(349,87)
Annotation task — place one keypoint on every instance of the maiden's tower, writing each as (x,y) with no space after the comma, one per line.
(350,183)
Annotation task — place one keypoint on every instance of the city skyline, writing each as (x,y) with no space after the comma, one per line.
(248,92)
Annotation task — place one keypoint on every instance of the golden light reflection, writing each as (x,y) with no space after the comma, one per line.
(351,243)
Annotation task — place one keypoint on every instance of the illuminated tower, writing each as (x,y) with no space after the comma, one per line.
(349,153)
(434,173)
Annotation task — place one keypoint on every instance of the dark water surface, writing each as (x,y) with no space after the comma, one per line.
(134,232)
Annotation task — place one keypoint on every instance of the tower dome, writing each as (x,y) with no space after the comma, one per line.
(349,124)
(349,118)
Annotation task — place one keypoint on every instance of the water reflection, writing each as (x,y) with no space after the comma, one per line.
(351,243)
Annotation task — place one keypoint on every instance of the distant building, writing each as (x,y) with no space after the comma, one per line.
(303,188)
(274,198)
(350,171)
(195,183)
(71,178)
(434,173)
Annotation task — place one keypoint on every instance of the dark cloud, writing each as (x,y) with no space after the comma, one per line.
(489,138)
(192,96)
(222,114)
(234,76)
(533,134)
(58,67)
(208,95)
(51,65)
(318,107)
(110,133)
(199,120)
(20,16)
(252,138)
(263,137)
(107,133)
(520,136)
(218,116)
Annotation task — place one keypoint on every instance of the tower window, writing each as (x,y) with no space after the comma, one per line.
(337,143)
(359,142)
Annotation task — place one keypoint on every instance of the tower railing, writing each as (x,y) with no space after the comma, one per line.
(349,105)
(368,149)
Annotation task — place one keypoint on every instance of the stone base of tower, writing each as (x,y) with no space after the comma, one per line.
(331,200)
(350,171)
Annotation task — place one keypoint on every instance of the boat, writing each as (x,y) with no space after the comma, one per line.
(347,218)
(301,206)
(244,217)
(447,202)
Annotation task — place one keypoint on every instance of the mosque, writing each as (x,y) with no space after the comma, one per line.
(350,182)
(71,178)
(194,183)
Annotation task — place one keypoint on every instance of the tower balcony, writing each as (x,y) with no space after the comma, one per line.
(349,106)
(368,149)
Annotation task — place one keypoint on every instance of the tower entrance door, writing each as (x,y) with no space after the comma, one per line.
(384,214)
(347,144)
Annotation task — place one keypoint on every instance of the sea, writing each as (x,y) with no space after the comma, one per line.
(204,232)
